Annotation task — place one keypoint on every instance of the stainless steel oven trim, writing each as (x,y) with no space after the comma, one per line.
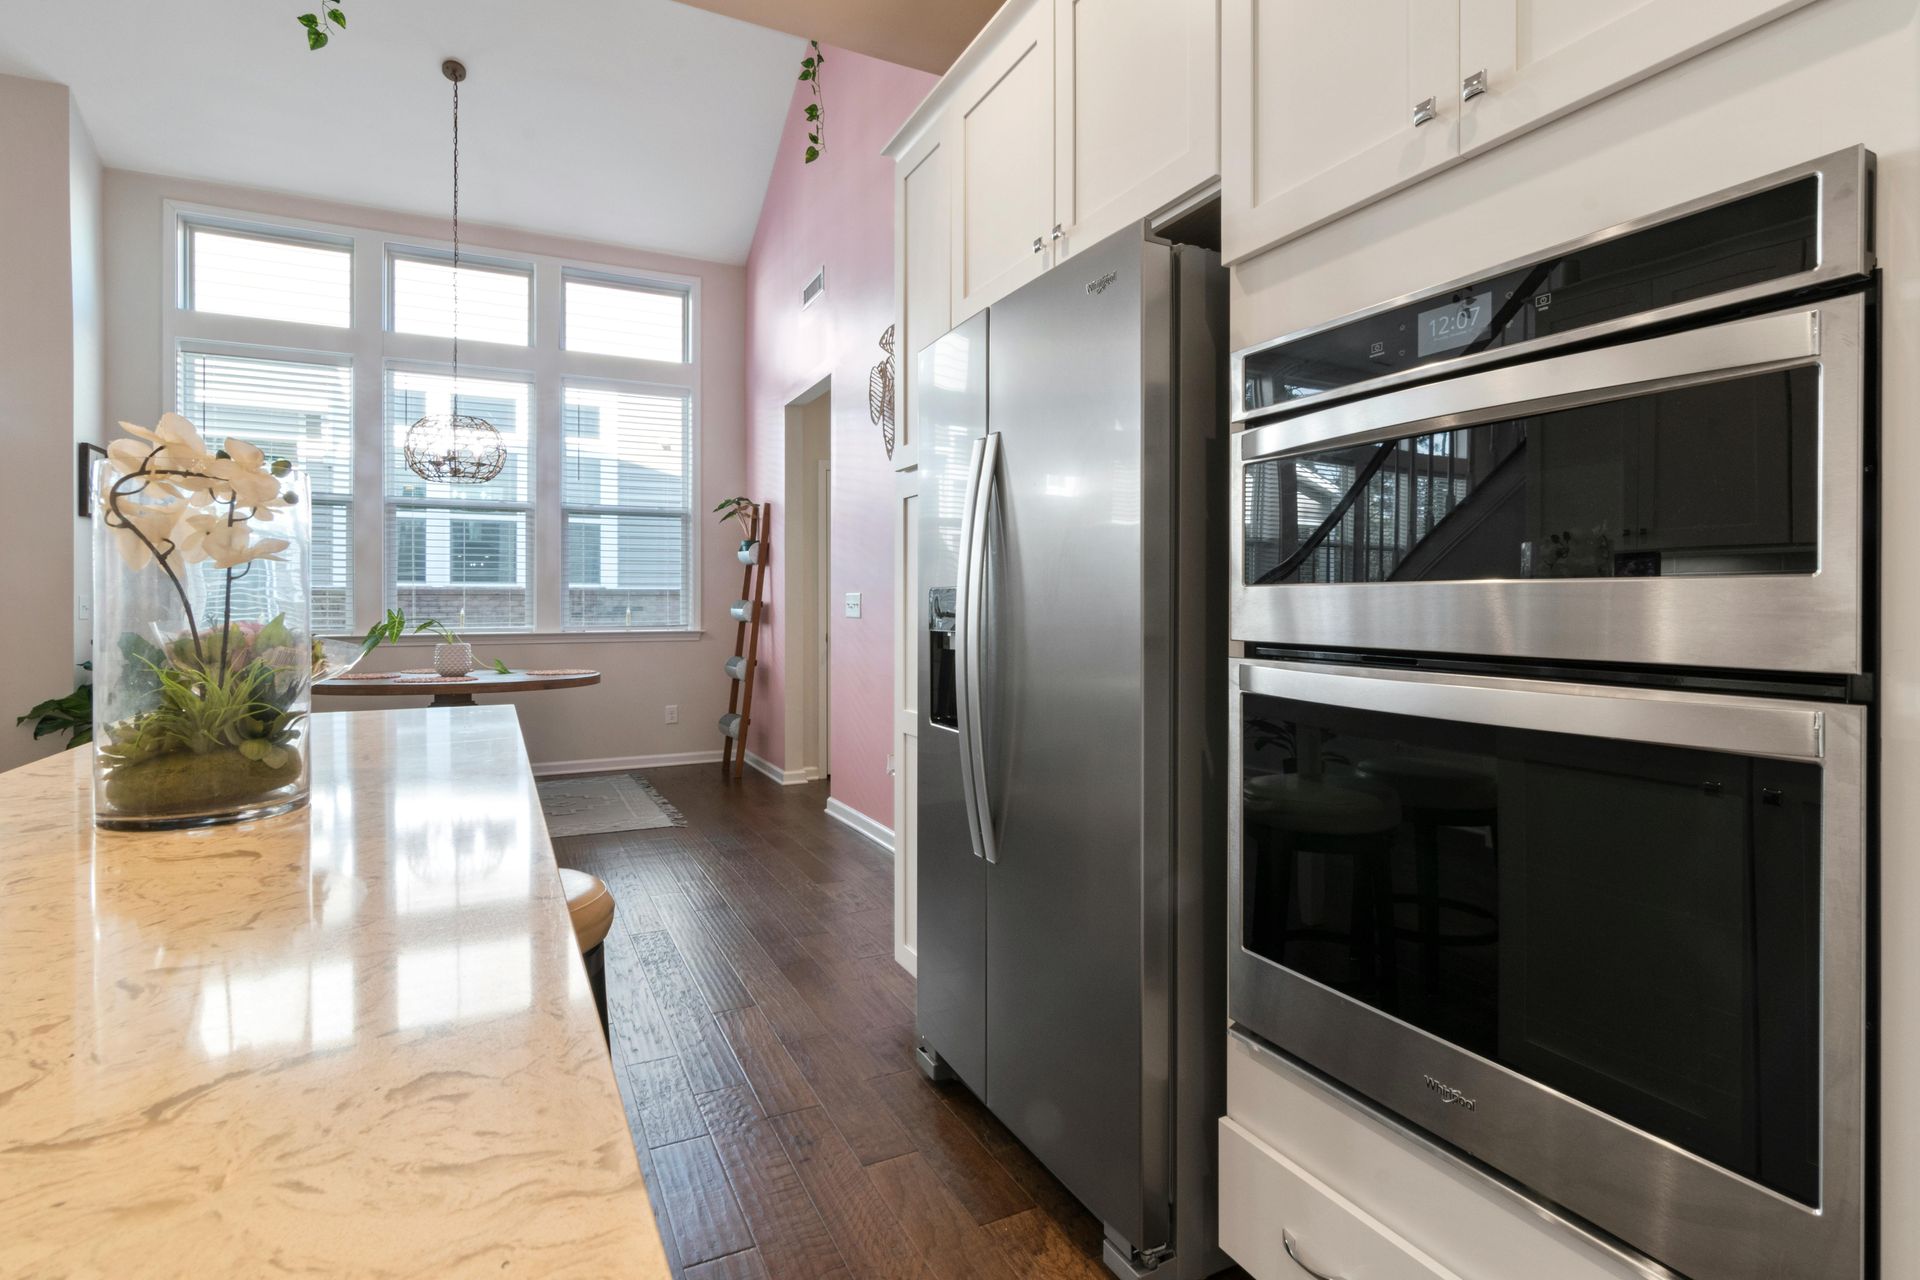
(1703,1220)
(1803,622)
(1845,252)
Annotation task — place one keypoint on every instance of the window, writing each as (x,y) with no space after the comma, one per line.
(300,410)
(627,491)
(589,375)
(458,552)
(626,319)
(268,277)
(495,302)
(409,548)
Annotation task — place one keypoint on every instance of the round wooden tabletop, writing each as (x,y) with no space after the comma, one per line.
(455,693)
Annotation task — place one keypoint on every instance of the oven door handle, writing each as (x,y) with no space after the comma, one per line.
(1775,728)
(1737,348)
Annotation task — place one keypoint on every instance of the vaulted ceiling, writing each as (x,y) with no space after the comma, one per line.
(635,122)
(928,34)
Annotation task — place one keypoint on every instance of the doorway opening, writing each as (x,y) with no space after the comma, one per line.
(807,621)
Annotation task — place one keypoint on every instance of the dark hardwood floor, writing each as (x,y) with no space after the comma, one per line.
(763,1038)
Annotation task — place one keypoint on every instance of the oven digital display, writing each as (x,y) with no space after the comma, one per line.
(1455,324)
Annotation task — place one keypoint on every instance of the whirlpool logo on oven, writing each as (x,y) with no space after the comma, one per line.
(1448,1094)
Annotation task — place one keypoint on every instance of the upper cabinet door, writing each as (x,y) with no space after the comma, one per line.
(1542,58)
(1002,167)
(923,267)
(1324,106)
(1138,121)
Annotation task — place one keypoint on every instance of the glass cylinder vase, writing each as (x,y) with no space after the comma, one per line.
(202,649)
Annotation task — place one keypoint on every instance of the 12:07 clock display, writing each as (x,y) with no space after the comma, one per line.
(1455,324)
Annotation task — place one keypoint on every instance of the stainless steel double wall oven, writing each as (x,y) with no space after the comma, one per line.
(1550,715)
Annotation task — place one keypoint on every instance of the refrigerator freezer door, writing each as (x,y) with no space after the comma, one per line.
(1077,1057)
(950,418)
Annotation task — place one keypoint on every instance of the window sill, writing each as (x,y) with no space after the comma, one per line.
(510,638)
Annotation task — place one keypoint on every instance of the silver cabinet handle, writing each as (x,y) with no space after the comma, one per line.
(1038,244)
(1058,234)
(1423,111)
(1286,1238)
(1474,85)
(971,607)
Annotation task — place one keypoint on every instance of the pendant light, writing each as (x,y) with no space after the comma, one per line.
(454,447)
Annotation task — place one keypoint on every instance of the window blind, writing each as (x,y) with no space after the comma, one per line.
(460,552)
(495,302)
(245,273)
(627,491)
(300,410)
(638,321)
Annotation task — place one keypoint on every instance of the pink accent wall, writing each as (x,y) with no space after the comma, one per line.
(838,213)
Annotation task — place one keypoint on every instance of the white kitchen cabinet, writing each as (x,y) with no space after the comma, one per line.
(1542,58)
(1325,106)
(1137,117)
(923,272)
(1319,102)
(1002,166)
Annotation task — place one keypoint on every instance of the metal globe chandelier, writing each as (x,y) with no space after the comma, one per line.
(455,447)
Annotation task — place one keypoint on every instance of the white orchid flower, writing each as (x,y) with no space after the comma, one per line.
(153,525)
(264,549)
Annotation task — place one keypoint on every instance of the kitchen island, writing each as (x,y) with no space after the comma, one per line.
(356,1039)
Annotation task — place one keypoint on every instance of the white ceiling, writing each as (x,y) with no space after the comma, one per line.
(633,122)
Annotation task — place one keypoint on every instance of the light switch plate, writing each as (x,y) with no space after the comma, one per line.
(853,604)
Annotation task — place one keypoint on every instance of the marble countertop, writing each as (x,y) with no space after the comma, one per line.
(355,1040)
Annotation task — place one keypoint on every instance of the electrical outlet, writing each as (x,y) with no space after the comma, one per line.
(673,713)
(853,604)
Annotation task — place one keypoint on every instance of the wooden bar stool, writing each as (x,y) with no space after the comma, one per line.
(591,906)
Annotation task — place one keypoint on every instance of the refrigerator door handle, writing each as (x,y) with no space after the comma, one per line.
(970,606)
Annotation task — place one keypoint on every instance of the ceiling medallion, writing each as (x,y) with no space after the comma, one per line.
(455,447)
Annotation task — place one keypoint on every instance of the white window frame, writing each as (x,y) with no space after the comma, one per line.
(693,485)
(370,347)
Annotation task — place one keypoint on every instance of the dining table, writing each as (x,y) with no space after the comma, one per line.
(453,691)
(356,1039)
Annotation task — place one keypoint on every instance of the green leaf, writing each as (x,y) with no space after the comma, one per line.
(813,111)
(309,20)
(806,75)
(280,466)
(499,664)
(339,18)
(316,38)
(813,153)
(813,137)
(807,62)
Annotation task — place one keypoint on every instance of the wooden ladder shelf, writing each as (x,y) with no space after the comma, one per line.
(746,643)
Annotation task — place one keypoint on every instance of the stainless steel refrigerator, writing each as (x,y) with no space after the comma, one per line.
(1072,655)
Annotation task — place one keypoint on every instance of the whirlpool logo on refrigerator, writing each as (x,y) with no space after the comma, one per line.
(1097,287)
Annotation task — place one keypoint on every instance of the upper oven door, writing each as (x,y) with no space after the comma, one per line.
(1694,499)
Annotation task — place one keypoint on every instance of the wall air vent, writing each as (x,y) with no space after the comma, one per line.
(811,291)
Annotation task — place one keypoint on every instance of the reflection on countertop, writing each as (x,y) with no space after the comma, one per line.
(356,1039)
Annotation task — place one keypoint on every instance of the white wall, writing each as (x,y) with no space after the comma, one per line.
(87,248)
(47,170)
(1833,74)
(622,719)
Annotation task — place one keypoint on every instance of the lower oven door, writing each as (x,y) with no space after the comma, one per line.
(1608,941)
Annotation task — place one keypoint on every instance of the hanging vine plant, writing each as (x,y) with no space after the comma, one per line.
(319,25)
(816,112)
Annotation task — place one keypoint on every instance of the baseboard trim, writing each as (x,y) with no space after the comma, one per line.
(622,764)
(848,816)
(785,777)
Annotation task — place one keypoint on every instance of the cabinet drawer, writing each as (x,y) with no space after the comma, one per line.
(1269,1205)
(1481,1230)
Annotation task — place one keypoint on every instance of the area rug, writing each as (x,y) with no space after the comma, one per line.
(604,802)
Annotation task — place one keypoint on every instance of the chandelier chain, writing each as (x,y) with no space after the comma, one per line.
(456,242)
